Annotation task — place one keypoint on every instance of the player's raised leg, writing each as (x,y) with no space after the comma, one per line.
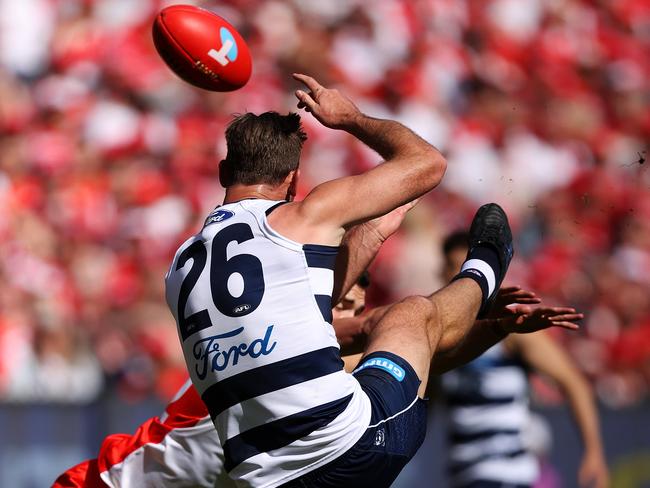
(415,328)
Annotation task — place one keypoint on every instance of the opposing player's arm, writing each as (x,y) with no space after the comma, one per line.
(360,245)
(545,356)
(454,351)
(350,334)
(483,335)
(412,167)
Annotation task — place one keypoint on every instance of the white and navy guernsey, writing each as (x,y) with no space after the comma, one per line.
(253,310)
(488,410)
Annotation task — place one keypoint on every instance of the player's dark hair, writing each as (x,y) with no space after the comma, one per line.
(263,148)
(455,240)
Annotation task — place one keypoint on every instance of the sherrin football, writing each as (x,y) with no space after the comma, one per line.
(202,48)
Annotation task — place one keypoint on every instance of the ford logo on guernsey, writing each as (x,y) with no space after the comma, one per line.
(211,355)
(386,365)
(218,216)
(228,51)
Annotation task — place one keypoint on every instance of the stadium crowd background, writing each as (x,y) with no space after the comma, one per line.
(107,162)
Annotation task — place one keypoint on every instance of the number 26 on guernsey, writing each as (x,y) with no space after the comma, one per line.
(221,268)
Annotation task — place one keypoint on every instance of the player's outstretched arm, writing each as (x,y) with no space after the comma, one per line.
(520,319)
(545,356)
(412,166)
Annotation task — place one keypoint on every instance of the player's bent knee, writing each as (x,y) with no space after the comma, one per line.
(425,315)
(415,317)
(423,310)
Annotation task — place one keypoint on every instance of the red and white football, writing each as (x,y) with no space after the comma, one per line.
(202,48)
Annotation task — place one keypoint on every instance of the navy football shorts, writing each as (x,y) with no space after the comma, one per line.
(396,431)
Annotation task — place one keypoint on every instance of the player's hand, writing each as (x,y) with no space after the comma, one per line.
(524,319)
(593,471)
(385,226)
(511,295)
(329,106)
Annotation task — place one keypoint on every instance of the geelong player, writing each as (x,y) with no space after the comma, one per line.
(488,405)
(181,448)
(252,295)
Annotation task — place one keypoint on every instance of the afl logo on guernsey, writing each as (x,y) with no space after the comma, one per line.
(240,309)
(228,51)
(218,216)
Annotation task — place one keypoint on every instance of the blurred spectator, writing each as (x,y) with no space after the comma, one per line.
(107,161)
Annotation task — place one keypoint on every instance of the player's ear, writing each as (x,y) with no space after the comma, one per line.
(292,179)
(225,175)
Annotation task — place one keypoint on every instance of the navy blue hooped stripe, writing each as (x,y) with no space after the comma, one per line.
(468,437)
(281,432)
(272,377)
(457,467)
(324,303)
(319,256)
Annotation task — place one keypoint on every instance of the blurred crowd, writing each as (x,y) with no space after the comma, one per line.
(108,162)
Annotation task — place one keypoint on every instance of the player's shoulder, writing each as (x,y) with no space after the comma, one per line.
(301,222)
(181,248)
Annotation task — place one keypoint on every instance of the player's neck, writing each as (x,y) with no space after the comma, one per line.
(237,192)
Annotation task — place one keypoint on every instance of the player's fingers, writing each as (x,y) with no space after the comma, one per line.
(408,206)
(521,309)
(569,316)
(520,296)
(305,99)
(529,301)
(554,310)
(562,311)
(310,82)
(523,293)
(565,325)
